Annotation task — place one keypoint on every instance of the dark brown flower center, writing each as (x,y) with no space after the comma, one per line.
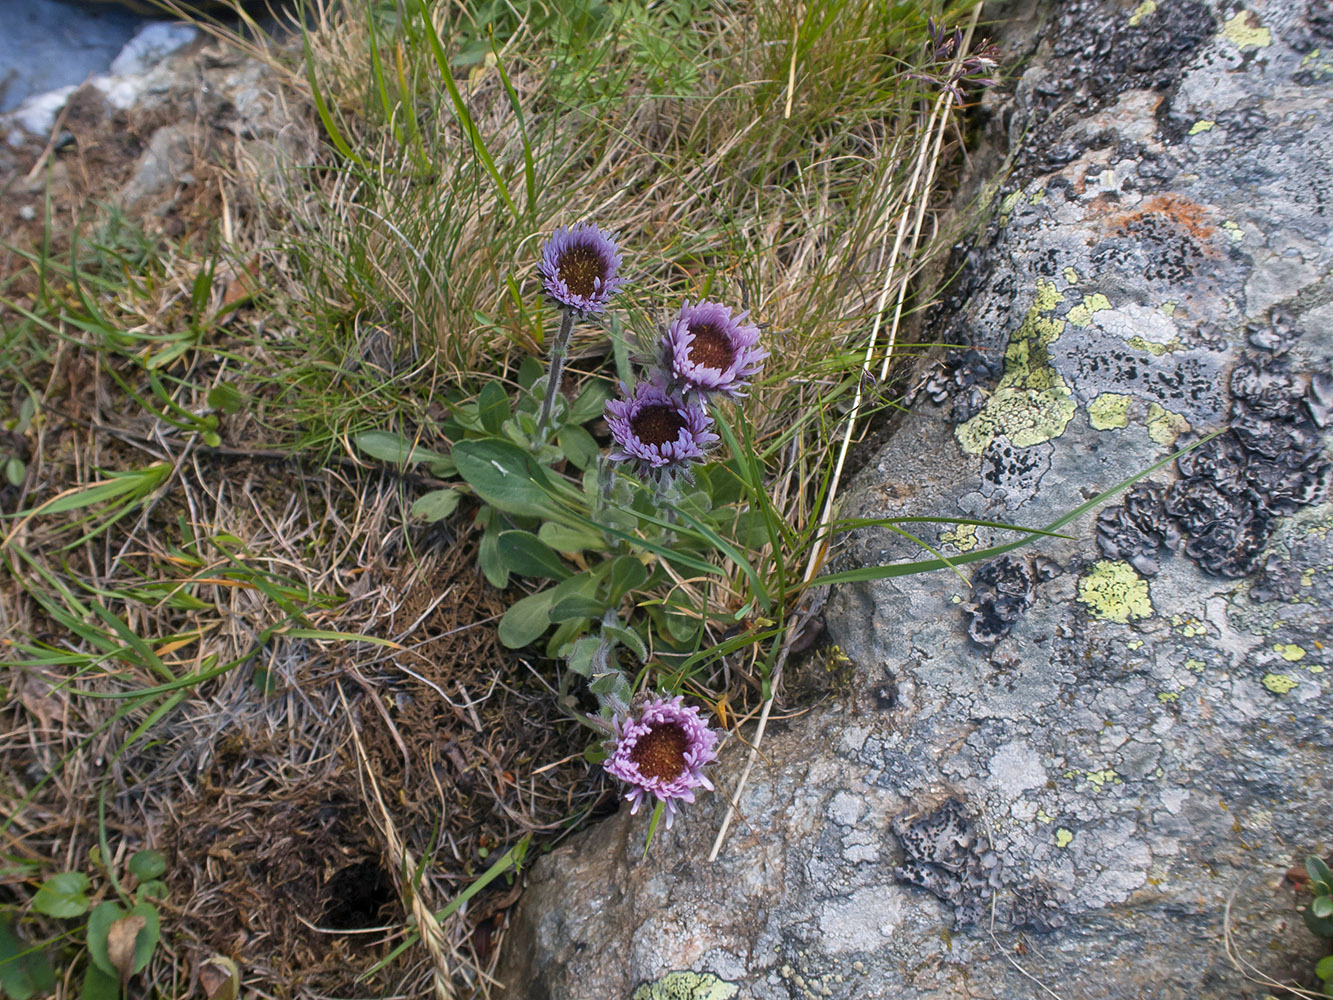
(658,425)
(711,348)
(660,752)
(580,267)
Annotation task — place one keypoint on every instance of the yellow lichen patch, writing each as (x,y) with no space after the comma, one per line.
(1043,816)
(1142,11)
(1135,644)
(1316,62)
(1109,411)
(1195,665)
(1048,297)
(1245,31)
(1188,626)
(1114,592)
(1202,125)
(1063,837)
(1280,683)
(687,986)
(1081,314)
(1032,403)
(963,537)
(1164,426)
(1166,696)
(1168,308)
(1234,231)
(1071,276)
(1102,778)
(1152,347)
(1037,195)
(1289,651)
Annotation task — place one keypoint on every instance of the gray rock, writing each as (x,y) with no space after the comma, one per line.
(49,45)
(1131,749)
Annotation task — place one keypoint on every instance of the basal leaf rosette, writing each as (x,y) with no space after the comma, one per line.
(660,750)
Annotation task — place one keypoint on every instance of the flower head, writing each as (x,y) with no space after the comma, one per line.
(710,350)
(579,266)
(657,428)
(661,751)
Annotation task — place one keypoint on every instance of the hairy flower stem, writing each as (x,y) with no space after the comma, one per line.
(559,351)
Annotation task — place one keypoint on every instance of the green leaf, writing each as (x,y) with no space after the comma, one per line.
(63,896)
(527,555)
(590,403)
(436,505)
(24,969)
(146,941)
(99,925)
(567,539)
(629,638)
(580,656)
(99,985)
(1319,872)
(394,449)
(1322,907)
(151,890)
(578,445)
(504,476)
(493,407)
(526,620)
(147,865)
(1322,926)
(488,558)
(226,397)
(15,471)
(117,484)
(627,573)
(577,606)
(1324,968)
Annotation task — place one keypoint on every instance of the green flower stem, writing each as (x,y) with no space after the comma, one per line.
(559,351)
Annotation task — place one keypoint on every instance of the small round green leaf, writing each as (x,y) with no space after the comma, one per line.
(99,926)
(1322,906)
(1324,968)
(147,865)
(63,896)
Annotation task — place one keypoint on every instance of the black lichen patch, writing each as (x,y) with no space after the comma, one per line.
(1137,532)
(1268,464)
(1002,592)
(943,854)
(1097,55)
(959,377)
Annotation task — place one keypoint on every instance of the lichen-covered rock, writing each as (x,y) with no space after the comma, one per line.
(1135,752)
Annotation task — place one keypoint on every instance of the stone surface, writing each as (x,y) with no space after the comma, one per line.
(50,44)
(1070,778)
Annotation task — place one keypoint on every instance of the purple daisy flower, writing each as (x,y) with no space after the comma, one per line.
(658,429)
(579,266)
(708,349)
(662,751)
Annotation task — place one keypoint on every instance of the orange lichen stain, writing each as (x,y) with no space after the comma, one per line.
(1188,216)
